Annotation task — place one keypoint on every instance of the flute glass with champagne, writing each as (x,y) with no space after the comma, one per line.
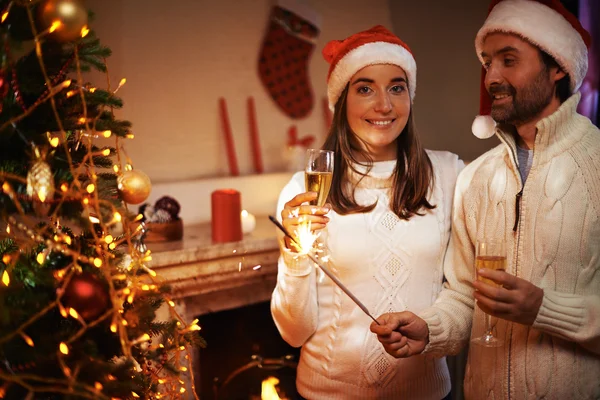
(318,174)
(490,254)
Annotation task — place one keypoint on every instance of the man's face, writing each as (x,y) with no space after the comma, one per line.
(519,83)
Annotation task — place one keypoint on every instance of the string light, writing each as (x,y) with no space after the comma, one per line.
(27,339)
(55,25)
(5,13)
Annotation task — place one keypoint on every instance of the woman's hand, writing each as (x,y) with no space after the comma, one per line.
(295,213)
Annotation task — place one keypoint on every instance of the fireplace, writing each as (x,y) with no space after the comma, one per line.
(227,287)
(245,357)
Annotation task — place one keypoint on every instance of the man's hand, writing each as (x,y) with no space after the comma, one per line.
(517,300)
(402,334)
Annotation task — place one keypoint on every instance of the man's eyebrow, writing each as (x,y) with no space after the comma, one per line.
(506,49)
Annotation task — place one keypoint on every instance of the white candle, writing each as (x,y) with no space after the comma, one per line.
(248,222)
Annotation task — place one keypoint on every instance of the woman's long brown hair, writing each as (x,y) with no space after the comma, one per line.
(412,177)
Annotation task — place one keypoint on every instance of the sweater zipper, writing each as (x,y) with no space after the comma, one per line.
(517,231)
(517,209)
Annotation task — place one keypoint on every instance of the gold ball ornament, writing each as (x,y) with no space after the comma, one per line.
(134,186)
(71,14)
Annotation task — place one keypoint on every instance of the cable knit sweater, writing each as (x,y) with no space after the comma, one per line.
(555,245)
(390,265)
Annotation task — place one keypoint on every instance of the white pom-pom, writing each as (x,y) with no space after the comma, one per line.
(483,126)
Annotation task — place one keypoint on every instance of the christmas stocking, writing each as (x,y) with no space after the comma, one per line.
(286,49)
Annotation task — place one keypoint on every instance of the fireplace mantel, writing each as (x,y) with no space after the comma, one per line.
(208,277)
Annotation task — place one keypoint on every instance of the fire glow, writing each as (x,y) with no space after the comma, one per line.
(268,389)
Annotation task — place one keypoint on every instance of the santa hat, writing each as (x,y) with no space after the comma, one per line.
(374,46)
(544,23)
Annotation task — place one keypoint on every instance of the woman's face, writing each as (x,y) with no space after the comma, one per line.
(377,108)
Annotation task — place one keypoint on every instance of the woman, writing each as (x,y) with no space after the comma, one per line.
(386,227)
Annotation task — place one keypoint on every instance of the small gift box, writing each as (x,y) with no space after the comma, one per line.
(162,220)
(164,231)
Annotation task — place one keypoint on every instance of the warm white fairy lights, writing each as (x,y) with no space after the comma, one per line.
(27,231)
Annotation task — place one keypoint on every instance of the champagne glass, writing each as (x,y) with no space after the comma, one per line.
(490,254)
(318,174)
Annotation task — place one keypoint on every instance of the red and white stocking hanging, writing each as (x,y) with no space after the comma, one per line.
(284,55)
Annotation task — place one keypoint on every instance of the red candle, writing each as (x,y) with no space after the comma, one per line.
(231,157)
(226,206)
(254,141)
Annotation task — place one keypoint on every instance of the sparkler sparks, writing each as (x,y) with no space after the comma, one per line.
(305,238)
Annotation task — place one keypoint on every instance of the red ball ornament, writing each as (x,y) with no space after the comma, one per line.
(87,295)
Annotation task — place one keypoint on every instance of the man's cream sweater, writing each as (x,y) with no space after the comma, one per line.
(555,244)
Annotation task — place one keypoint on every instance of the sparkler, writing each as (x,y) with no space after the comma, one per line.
(324,269)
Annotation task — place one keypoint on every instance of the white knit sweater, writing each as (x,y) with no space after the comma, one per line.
(556,246)
(390,265)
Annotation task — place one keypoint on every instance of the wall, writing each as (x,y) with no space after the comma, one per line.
(441,35)
(179,57)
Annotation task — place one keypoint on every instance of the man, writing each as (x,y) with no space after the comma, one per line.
(539,191)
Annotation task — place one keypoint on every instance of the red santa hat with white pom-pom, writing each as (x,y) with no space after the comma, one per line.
(371,47)
(546,24)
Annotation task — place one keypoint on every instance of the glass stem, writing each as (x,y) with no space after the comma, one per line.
(488,327)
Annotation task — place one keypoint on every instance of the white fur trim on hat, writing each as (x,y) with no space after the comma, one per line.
(544,28)
(484,127)
(371,54)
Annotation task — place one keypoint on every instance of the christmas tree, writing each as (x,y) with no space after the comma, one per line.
(77,298)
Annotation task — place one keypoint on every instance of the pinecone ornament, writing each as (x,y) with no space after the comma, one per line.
(40,182)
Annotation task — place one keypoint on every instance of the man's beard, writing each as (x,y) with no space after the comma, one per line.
(527,103)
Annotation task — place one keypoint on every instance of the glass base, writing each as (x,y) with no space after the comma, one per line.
(487,341)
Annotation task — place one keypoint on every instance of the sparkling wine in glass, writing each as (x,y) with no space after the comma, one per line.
(318,174)
(490,254)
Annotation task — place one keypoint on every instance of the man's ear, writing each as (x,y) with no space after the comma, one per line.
(558,73)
